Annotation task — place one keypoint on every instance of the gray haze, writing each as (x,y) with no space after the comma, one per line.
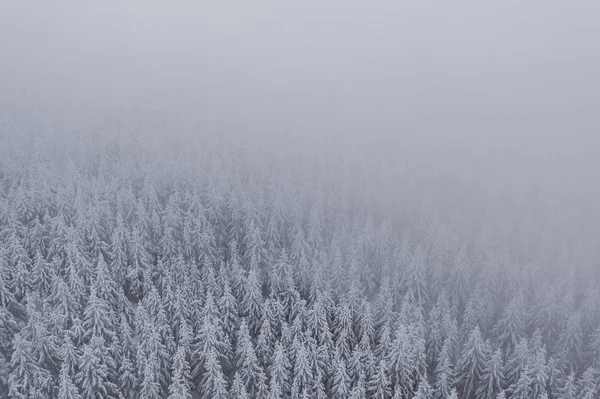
(506,90)
(511,71)
(259,198)
(300,198)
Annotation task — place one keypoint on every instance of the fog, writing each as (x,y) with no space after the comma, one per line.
(448,77)
(452,79)
(345,199)
(509,89)
(512,73)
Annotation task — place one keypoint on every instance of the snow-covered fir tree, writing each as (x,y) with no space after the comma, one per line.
(227,275)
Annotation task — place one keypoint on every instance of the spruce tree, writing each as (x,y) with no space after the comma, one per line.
(209,337)
(180,387)
(492,378)
(280,370)
(95,370)
(568,389)
(66,388)
(444,372)
(471,364)
(511,326)
(247,362)
(424,390)
(213,385)
(238,388)
(340,382)
(522,388)
(251,306)
(379,385)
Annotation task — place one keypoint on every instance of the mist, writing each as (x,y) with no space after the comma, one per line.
(404,192)
(520,71)
(506,91)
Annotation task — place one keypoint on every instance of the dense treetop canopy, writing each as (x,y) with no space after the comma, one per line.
(228,270)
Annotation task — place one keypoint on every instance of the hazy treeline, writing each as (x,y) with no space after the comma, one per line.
(167,264)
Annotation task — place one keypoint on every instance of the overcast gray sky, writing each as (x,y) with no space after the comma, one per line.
(449,69)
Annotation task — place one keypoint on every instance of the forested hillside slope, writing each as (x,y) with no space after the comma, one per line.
(233,271)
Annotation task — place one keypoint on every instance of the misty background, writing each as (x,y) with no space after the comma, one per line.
(334,199)
(510,73)
(494,101)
